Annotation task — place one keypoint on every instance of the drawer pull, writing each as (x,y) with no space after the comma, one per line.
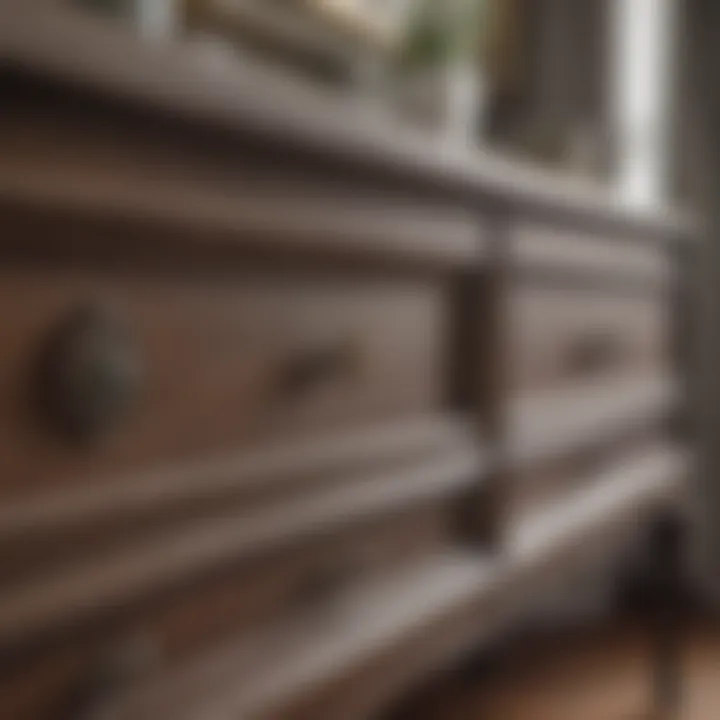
(314,366)
(90,373)
(113,677)
(321,591)
(594,353)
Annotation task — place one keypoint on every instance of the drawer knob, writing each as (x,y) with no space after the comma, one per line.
(90,373)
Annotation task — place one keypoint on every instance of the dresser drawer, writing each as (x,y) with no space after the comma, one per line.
(560,335)
(313,582)
(211,365)
(571,253)
(534,489)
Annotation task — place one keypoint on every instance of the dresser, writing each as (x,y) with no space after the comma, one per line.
(297,407)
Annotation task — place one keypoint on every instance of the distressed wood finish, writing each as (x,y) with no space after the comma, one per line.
(454,602)
(371,642)
(560,252)
(303,583)
(224,362)
(561,336)
(171,189)
(540,486)
(386,389)
(131,568)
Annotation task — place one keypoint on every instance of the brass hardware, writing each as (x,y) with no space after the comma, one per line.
(90,373)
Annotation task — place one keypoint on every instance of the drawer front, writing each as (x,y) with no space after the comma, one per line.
(202,366)
(574,253)
(535,489)
(562,336)
(314,582)
(540,487)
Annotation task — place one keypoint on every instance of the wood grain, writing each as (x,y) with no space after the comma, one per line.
(599,674)
(287,468)
(552,423)
(74,594)
(214,355)
(349,335)
(302,581)
(553,333)
(561,252)
(439,608)
(541,485)
(185,195)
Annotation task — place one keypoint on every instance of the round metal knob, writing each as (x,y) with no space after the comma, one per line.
(90,373)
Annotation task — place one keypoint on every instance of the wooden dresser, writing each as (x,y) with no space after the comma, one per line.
(295,406)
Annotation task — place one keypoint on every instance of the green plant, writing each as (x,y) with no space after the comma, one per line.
(442,32)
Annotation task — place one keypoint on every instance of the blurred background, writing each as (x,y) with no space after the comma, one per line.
(592,89)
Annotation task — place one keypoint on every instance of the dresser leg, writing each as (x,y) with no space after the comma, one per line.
(667,619)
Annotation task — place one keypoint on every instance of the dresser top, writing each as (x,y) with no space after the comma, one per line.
(54,42)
